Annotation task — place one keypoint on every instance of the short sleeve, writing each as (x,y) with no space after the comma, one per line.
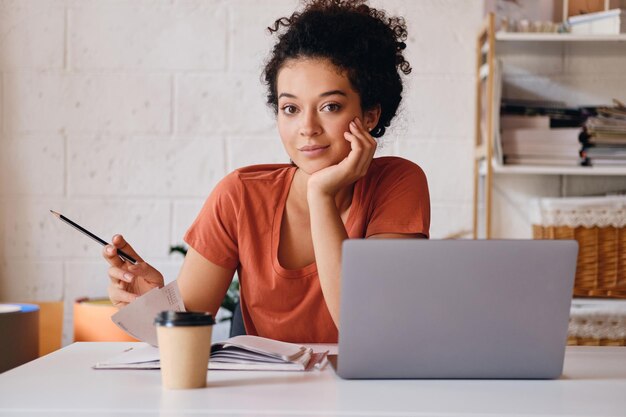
(214,233)
(401,202)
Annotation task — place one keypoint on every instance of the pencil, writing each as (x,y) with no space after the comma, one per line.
(124,256)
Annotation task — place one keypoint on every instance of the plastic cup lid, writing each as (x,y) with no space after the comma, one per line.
(179,318)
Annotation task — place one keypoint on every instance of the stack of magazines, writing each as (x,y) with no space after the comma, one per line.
(604,137)
(540,133)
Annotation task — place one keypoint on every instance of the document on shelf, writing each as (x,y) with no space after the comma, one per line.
(137,318)
(250,353)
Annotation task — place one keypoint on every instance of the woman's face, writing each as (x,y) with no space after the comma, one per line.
(315,105)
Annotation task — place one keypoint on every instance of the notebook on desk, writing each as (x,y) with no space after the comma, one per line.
(455,308)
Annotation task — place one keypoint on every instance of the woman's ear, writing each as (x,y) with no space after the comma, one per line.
(371,117)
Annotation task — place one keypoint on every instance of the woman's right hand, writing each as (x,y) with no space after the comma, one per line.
(128,281)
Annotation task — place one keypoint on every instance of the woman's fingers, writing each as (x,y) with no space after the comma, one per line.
(119,274)
(110,254)
(368,136)
(363,144)
(120,243)
(119,297)
(364,134)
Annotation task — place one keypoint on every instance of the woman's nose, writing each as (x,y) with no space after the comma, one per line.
(310,126)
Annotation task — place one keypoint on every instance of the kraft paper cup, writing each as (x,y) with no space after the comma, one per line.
(184,348)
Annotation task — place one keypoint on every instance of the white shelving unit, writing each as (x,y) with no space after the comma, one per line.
(557,37)
(552,170)
(489,46)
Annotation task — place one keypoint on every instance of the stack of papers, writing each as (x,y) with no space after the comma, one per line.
(251,353)
(604,142)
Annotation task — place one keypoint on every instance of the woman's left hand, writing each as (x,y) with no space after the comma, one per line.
(330,180)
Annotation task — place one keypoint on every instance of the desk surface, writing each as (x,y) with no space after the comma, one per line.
(64,384)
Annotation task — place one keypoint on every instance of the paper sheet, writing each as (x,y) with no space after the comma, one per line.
(147,357)
(137,318)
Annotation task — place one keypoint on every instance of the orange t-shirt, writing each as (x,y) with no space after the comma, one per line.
(239,227)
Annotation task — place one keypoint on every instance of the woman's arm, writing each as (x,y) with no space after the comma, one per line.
(327,228)
(202,283)
(328,233)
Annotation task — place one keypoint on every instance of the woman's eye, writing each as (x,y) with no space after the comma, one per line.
(289,109)
(331,107)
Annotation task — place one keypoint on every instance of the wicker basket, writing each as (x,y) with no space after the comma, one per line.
(597,322)
(599,226)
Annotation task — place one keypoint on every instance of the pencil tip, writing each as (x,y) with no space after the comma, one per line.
(55,213)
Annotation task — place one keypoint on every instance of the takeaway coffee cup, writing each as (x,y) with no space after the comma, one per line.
(184,348)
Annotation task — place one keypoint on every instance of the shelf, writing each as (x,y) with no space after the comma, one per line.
(553,170)
(557,37)
(518,47)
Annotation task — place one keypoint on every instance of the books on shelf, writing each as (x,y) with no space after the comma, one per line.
(250,353)
(559,114)
(530,136)
(604,137)
(545,136)
(542,161)
(516,121)
(603,162)
(609,22)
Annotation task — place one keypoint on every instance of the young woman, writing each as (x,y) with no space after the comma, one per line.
(333,80)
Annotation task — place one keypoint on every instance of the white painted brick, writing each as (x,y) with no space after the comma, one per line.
(222,104)
(32,166)
(251,42)
(591,89)
(596,58)
(440,105)
(387,146)
(185,212)
(187,35)
(30,280)
(449,219)
(448,165)
(37,102)
(31,231)
(144,167)
(243,152)
(32,34)
(401,124)
(442,34)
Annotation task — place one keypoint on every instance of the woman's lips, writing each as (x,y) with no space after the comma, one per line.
(313,150)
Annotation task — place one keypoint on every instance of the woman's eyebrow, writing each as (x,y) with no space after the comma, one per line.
(325,94)
(333,92)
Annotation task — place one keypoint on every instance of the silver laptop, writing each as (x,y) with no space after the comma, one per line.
(414,308)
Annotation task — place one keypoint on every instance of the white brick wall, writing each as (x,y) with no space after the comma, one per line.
(123,114)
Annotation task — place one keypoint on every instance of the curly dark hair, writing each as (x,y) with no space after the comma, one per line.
(358,39)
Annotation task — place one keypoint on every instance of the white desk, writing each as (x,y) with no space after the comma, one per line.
(63,384)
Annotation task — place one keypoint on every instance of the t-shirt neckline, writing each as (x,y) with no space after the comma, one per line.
(310,269)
